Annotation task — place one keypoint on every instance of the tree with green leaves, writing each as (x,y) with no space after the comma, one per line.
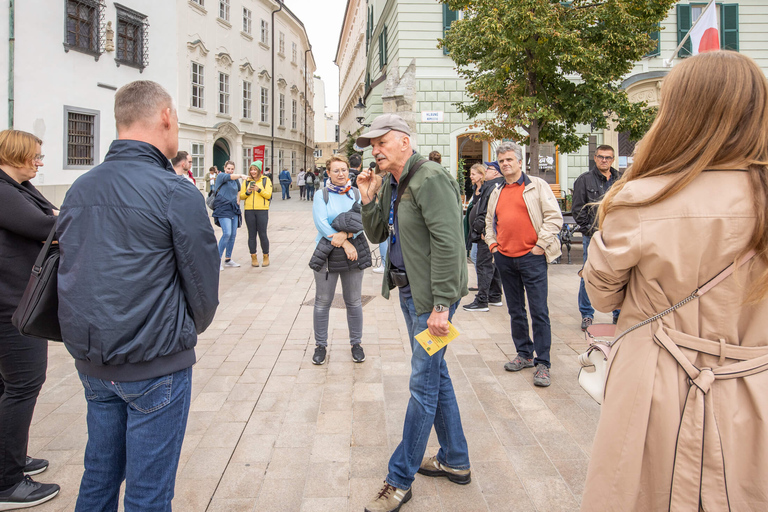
(543,67)
(349,142)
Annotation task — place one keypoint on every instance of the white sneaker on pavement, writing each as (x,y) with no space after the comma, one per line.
(231,263)
(379,269)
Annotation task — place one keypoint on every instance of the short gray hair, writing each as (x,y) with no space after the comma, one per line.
(140,101)
(506,147)
(411,137)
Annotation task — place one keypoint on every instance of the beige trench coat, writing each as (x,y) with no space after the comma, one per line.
(662,443)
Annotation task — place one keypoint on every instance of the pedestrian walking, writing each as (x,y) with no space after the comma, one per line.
(182,165)
(301,182)
(309,181)
(210,183)
(256,192)
(226,211)
(418,206)
(341,254)
(521,228)
(682,422)
(588,190)
(137,284)
(285,183)
(26,219)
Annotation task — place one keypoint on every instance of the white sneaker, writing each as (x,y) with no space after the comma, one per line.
(221,267)
(378,270)
(231,263)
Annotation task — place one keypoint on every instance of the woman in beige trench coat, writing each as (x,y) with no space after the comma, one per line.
(684,422)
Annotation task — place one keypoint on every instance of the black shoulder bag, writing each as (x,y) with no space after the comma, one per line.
(38,311)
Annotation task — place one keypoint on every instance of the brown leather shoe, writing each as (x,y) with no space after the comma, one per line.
(265,263)
(254,260)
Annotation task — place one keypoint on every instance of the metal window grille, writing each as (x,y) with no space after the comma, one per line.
(198,88)
(246,20)
(265,31)
(282,110)
(132,37)
(85,22)
(223,93)
(293,114)
(198,159)
(246,100)
(80,138)
(264,105)
(224,9)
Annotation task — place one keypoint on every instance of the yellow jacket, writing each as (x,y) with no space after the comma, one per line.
(259,199)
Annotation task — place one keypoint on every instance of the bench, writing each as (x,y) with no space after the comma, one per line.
(556,190)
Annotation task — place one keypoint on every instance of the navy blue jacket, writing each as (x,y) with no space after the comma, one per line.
(139,267)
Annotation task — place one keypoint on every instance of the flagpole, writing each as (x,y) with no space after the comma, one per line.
(668,63)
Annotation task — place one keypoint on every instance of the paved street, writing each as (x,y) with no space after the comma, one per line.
(269,431)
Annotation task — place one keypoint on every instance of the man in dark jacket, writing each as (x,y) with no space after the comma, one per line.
(285,183)
(138,281)
(590,188)
(488,278)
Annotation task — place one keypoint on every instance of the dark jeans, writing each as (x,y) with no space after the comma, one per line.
(256,222)
(23,362)
(286,190)
(488,278)
(520,276)
(135,432)
(302,189)
(585,306)
(310,192)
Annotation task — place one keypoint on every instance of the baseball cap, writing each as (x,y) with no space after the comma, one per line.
(382,125)
(495,165)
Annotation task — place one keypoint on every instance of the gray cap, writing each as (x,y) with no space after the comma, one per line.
(382,125)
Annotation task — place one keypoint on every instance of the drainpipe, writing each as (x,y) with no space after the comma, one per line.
(11,44)
(272,95)
(306,100)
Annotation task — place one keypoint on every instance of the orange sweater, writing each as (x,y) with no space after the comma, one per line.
(515,235)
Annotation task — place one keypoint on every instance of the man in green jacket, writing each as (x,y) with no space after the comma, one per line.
(427,262)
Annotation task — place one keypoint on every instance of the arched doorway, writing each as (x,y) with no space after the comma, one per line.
(471,152)
(221,153)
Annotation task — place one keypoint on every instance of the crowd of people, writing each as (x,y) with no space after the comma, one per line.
(680,424)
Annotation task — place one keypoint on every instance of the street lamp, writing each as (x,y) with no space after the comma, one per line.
(360,109)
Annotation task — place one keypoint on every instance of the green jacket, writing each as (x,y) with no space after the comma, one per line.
(431,236)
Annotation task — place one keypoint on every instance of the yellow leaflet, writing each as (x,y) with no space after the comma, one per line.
(434,343)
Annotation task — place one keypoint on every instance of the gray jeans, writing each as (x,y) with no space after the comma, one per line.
(351,289)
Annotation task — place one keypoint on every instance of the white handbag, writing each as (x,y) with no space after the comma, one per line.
(594,362)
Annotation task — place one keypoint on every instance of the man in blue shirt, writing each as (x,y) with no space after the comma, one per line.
(285,183)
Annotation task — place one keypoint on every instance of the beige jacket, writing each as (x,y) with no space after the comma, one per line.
(545,214)
(698,371)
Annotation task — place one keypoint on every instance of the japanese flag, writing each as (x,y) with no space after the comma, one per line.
(705,36)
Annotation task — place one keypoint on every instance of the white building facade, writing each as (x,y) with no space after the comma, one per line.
(69,58)
(351,59)
(245,71)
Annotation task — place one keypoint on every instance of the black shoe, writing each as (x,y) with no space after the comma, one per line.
(358,355)
(27,493)
(585,322)
(320,355)
(35,466)
(475,306)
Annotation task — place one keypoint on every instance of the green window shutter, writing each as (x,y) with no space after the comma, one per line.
(655,37)
(368,29)
(683,26)
(449,16)
(729,27)
(383,47)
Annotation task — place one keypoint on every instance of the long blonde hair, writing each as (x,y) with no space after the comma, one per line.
(713,114)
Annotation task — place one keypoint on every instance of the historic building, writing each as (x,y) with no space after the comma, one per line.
(245,71)
(351,58)
(61,66)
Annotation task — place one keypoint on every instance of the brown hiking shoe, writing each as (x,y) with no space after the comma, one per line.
(265,263)
(389,499)
(254,260)
(431,467)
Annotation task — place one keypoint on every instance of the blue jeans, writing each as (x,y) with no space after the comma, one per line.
(585,306)
(432,402)
(383,247)
(286,190)
(473,254)
(228,234)
(135,432)
(310,192)
(521,276)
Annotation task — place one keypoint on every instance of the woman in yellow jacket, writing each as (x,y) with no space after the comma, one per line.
(256,191)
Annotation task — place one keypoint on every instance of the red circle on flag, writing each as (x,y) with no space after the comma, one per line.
(710,40)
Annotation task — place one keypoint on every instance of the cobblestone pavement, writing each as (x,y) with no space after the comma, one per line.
(269,431)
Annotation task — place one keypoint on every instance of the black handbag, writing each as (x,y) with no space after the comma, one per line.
(38,311)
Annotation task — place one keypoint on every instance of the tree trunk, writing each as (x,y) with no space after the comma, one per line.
(533,148)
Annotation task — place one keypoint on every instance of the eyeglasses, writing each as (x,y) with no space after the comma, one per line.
(338,171)
(604,158)
(39,158)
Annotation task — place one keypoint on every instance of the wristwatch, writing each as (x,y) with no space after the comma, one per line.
(440,308)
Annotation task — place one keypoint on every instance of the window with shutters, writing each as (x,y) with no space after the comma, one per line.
(82,134)
(369,28)
(449,16)
(656,50)
(383,47)
(728,19)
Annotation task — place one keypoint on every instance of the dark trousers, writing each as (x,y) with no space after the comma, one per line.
(23,362)
(302,191)
(488,278)
(256,222)
(286,190)
(527,275)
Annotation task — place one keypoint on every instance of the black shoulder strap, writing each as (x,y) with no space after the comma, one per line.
(401,186)
(44,252)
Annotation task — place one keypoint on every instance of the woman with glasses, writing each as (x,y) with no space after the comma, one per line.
(342,253)
(26,220)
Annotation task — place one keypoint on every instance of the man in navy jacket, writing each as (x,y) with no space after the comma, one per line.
(138,281)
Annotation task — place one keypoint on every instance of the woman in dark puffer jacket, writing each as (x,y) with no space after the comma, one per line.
(346,259)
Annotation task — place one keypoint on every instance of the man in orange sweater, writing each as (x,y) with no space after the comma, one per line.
(521,229)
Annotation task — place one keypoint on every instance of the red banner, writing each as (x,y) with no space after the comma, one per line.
(258,154)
